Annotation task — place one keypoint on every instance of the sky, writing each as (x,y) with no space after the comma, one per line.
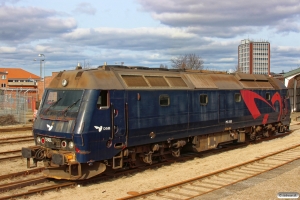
(144,32)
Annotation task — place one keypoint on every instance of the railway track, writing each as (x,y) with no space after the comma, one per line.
(7,155)
(16,139)
(35,185)
(39,182)
(225,177)
(40,187)
(40,190)
(25,186)
(22,173)
(15,129)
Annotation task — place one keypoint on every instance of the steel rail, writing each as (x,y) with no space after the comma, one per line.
(23,183)
(12,129)
(163,191)
(40,190)
(22,173)
(96,179)
(10,152)
(16,138)
(10,157)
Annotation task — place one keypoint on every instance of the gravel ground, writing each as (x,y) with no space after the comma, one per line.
(286,181)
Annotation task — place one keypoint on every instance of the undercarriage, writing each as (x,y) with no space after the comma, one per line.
(63,165)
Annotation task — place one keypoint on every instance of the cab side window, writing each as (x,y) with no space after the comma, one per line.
(203,99)
(164,100)
(103,99)
(268,96)
(237,97)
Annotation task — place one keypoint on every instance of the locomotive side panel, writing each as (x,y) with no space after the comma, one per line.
(163,113)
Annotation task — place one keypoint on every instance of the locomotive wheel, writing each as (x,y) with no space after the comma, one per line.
(281,129)
(176,153)
(253,136)
(267,133)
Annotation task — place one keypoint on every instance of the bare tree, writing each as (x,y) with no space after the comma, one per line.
(237,69)
(163,66)
(188,61)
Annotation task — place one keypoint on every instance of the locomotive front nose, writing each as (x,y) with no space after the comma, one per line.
(58,159)
(63,158)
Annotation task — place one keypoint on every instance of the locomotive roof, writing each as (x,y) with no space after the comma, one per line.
(122,77)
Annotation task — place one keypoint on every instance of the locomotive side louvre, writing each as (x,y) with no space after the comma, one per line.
(116,115)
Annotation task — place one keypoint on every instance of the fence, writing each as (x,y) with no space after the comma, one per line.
(19,103)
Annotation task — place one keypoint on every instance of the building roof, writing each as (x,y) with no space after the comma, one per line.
(247,41)
(18,73)
(292,73)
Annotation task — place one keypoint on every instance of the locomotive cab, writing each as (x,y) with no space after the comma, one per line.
(60,132)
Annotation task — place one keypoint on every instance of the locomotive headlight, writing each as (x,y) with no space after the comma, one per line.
(64,83)
(38,140)
(71,145)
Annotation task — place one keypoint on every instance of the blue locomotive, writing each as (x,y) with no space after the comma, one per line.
(115,116)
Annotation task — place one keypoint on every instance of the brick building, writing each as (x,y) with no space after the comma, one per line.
(17,78)
(17,83)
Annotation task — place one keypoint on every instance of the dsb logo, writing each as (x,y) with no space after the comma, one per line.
(104,128)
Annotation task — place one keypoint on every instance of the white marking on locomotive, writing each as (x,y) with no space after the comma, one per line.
(48,139)
(49,127)
(100,128)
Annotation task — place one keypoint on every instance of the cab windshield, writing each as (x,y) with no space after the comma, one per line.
(61,103)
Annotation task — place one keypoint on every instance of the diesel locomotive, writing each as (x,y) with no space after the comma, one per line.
(112,117)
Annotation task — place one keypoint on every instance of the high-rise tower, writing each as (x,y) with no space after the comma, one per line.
(254,57)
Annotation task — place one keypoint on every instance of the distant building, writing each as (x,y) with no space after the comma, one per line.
(16,81)
(254,57)
(16,78)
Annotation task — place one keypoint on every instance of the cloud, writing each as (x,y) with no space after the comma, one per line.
(134,39)
(284,58)
(286,26)
(26,24)
(217,15)
(9,1)
(285,51)
(225,32)
(85,8)
(210,29)
(7,50)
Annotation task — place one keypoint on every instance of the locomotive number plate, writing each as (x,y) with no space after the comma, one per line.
(48,139)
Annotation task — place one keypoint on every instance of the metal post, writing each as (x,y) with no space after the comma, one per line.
(295,95)
(41,69)
(42,55)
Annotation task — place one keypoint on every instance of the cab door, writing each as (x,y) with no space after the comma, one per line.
(118,119)
(223,114)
